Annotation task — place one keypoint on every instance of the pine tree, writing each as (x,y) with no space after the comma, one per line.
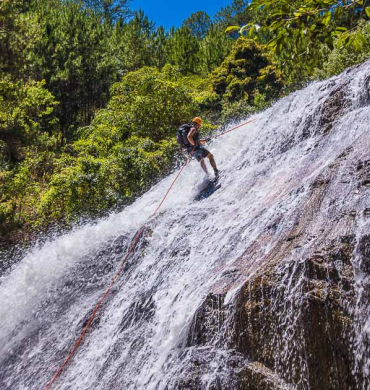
(214,48)
(110,10)
(199,23)
(72,57)
(184,51)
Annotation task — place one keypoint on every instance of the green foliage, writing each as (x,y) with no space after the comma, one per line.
(296,32)
(236,111)
(300,26)
(92,183)
(198,23)
(214,48)
(17,35)
(110,10)
(246,72)
(135,44)
(234,14)
(26,113)
(127,148)
(21,188)
(184,51)
(4,156)
(145,103)
(71,56)
(342,57)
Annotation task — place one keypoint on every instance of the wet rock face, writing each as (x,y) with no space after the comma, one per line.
(300,315)
(323,118)
(363,173)
(332,108)
(362,340)
(200,362)
(227,370)
(302,335)
(364,99)
(296,316)
(305,337)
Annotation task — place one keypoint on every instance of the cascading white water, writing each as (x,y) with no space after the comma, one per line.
(138,340)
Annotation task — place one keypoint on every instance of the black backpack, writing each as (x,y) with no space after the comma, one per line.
(182,134)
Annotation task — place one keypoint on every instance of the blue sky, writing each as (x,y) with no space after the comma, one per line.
(171,13)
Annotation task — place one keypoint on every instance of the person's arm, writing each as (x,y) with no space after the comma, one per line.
(190,136)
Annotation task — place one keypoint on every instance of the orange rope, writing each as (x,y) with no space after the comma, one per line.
(133,246)
(78,342)
(234,128)
(173,183)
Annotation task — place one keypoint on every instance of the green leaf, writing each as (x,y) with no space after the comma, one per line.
(277,14)
(357,44)
(272,43)
(338,12)
(241,31)
(232,28)
(348,40)
(326,19)
(251,32)
(361,38)
(367,10)
(329,42)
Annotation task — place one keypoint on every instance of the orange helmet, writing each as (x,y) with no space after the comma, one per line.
(197,120)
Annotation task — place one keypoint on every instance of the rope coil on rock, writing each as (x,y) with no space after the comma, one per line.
(131,249)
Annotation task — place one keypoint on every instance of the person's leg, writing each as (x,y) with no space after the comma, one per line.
(212,162)
(203,165)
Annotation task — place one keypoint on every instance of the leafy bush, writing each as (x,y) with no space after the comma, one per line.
(246,72)
(343,57)
(26,114)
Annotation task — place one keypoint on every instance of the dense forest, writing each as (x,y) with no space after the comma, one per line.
(92,93)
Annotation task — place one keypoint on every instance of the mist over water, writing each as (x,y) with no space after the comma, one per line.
(139,338)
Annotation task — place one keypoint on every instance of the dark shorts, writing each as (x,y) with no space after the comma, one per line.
(199,153)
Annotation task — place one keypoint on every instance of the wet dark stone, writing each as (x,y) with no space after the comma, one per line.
(364,250)
(363,173)
(206,368)
(364,99)
(207,321)
(142,310)
(331,109)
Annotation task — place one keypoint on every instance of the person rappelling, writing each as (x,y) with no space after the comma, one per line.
(188,138)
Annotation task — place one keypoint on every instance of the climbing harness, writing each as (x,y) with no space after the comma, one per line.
(131,249)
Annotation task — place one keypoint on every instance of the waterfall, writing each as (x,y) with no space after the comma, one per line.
(259,285)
